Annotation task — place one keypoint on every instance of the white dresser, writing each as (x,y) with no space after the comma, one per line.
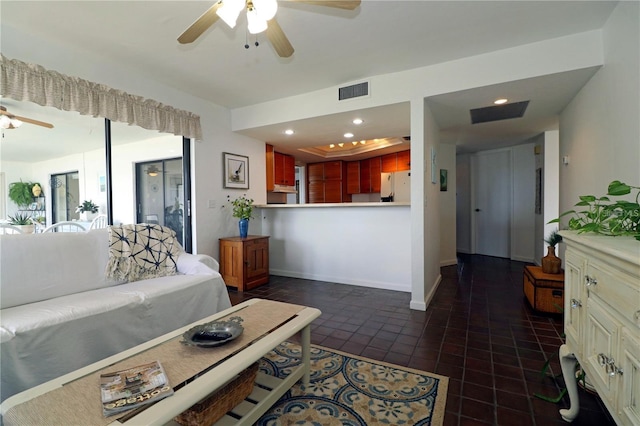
(602,322)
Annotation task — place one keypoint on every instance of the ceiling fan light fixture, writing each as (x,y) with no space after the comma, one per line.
(16,123)
(153,171)
(5,122)
(256,23)
(230,10)
(266,9)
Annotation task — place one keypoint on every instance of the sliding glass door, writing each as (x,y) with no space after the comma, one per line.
(65,196)
(160,194)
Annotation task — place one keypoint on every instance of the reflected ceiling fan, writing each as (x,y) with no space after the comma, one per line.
(260,17)
(11,121)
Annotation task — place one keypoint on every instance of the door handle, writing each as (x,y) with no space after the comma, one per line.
(477,210)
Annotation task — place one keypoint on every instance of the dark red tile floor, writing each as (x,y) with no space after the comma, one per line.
(478,330)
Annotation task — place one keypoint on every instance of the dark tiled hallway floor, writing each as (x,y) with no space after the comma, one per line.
(478,330)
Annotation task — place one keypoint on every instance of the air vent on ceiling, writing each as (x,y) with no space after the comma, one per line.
(498,112)
(353,91)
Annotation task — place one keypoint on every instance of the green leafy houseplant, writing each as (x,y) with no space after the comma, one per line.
(20,219)
(21,193)
(87,206)
(603,216)
(242,207)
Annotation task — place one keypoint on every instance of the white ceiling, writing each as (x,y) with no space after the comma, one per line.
(332,47)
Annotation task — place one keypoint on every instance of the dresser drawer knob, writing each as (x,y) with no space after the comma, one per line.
(612,370)
(590,281)
(575,303)
(603,359)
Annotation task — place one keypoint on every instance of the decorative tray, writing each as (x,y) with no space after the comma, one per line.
(213,334)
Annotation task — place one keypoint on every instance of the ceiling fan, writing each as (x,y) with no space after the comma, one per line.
(11,121)
(260,16)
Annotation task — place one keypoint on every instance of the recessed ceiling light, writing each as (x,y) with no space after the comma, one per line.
(288,132)
(500,101)
(355,143)
(348,135)
(341,144)
(332,145)
(357,121)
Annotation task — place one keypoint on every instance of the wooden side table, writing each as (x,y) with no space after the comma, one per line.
(244,262)
(545,292)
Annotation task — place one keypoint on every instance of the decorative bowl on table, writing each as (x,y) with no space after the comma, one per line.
(213,333)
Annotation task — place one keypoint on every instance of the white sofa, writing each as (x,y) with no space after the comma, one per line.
(59,312)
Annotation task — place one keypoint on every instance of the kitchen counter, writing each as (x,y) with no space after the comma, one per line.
(316,205)
(366,243)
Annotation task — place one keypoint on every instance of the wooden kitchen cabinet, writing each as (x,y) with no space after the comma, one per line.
(281,169)
(396,162)
(327,182)
(363,177)
(244,262)
(389,163)
(403,160)
(315,172)
(374,182)
(353,177)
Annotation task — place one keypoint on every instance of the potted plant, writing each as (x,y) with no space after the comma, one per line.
(87,206)
(21,193)
(243,210)
(551,264)
(22,221)
(602,216)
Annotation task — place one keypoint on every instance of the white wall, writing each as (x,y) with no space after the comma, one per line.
(367,246)
(448,236)
(425,206)
(523,203)
(599,129)
(550,191)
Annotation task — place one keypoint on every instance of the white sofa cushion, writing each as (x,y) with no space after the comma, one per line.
(50,265)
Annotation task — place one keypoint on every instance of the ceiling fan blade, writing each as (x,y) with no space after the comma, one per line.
(27,120)
(200,25)
(340,4)
(36,122)
(278,40)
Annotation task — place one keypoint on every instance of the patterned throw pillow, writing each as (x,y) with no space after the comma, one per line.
(142,251)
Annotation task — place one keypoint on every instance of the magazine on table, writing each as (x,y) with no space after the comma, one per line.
(134,387)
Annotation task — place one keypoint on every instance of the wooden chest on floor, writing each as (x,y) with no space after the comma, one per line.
(545,292)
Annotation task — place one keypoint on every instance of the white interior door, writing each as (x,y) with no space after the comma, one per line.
(492,203)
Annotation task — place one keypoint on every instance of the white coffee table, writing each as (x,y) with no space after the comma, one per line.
(18,406)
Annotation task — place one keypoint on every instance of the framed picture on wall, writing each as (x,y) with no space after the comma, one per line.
(236,171)
(443,179)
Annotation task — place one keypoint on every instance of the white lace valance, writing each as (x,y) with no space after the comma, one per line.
(29,82)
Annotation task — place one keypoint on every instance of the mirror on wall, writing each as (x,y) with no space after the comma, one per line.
(69,162)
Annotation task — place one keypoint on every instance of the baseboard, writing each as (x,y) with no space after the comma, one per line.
(342,280)
(448,262)
(422,305)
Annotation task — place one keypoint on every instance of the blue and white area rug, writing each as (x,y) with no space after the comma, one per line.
(350,390)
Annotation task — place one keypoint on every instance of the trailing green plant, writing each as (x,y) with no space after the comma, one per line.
(242,207)
(87,206)
(20,219)
(604,216)
(21,192)
(553,238)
